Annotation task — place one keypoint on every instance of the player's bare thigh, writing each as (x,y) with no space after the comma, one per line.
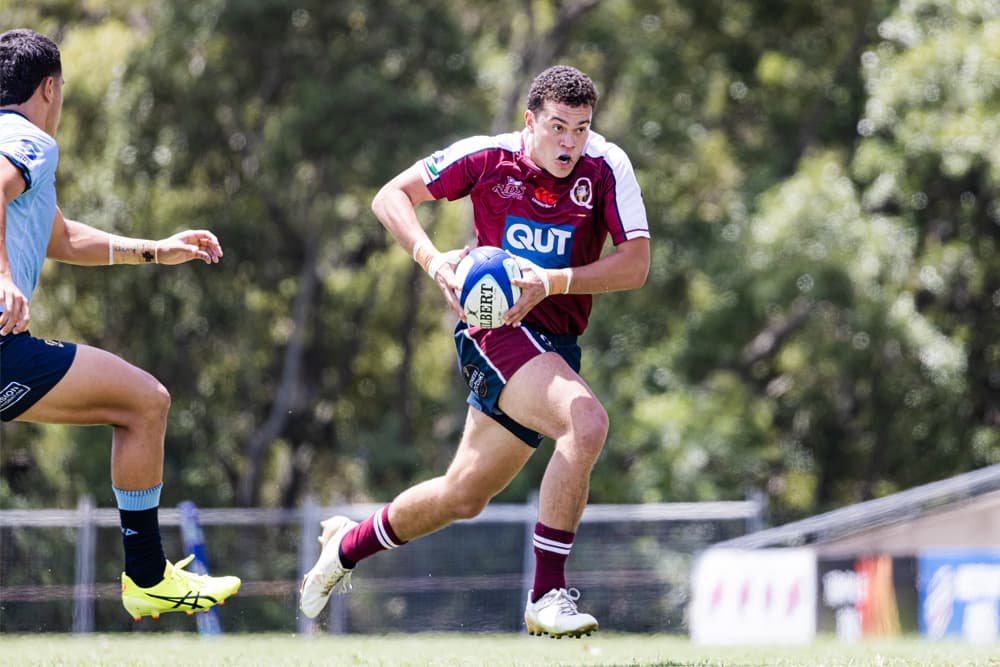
(100,388)
(546,395)
(488,456)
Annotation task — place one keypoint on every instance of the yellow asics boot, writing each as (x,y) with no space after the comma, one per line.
(178,591)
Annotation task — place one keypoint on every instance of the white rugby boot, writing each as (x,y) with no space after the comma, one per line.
(555,615)
(328,571)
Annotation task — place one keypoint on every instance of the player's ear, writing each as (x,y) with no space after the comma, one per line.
(48,86)
(529,119)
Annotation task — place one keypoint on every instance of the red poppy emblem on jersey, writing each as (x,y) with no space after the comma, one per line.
(582,193)
(545,198)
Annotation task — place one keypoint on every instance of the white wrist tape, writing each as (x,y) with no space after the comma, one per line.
(418,245)
(111,249)
(435,265)
(440,259)
(544,277)
(569,280)
(537,270)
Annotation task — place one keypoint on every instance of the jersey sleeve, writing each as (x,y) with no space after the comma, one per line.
(624,211)
(453,172)
(33,156)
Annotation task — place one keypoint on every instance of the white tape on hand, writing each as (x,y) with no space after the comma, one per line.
(419,244)
(537,270)
(451,257)
(543,276)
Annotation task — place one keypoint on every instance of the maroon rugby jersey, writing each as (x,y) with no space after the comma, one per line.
(554,222)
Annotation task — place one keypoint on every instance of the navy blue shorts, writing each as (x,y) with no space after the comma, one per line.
(488,357)
(29,368)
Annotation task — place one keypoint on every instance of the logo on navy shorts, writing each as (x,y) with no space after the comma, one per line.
(476,379)
(11,394)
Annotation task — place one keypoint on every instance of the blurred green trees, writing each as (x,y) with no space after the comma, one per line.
(822,320)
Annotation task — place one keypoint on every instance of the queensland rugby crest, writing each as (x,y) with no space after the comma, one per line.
(582,193)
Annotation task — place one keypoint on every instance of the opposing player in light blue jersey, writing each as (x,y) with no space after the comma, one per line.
(56,382)
(552,195)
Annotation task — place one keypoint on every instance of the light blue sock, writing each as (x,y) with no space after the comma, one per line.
(135,501)
(144,559)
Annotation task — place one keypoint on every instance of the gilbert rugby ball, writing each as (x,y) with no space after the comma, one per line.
(487,293)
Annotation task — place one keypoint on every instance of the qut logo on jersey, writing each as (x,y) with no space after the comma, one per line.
(548,246)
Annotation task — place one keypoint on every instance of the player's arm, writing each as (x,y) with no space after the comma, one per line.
(16,312)
(77,243)
(624,269)
(395,207)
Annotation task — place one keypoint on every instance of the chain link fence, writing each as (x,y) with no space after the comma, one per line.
(60,569)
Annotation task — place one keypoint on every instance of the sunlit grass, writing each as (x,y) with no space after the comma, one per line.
(473,650)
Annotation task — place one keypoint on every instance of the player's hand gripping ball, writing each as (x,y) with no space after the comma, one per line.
(487,293)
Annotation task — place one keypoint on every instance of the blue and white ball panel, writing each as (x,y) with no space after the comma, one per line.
(487,293)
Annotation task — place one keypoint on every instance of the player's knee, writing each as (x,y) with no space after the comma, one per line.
(154,403)
(161,399)
(590,426)
(468,504)
(469,510)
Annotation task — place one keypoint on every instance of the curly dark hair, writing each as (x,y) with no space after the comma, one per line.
(26,58)
(562,84)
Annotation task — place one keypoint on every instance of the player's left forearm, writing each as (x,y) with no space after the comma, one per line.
(624,269)
(125,250)
(77,243)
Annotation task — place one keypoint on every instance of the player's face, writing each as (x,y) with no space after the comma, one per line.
(557,134)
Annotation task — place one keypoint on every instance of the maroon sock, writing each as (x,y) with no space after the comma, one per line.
(372,535)
(551,548)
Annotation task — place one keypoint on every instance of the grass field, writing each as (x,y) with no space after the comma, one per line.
(468,650)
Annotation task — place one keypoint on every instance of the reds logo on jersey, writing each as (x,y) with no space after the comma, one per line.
(512,189)
(548,246)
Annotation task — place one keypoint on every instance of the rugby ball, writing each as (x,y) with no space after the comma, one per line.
(487,293)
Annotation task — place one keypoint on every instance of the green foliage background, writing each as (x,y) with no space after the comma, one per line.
(822,318)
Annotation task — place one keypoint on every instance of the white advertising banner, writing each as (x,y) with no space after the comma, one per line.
(759,596)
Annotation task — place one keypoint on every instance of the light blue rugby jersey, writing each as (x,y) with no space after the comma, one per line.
(30,216)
